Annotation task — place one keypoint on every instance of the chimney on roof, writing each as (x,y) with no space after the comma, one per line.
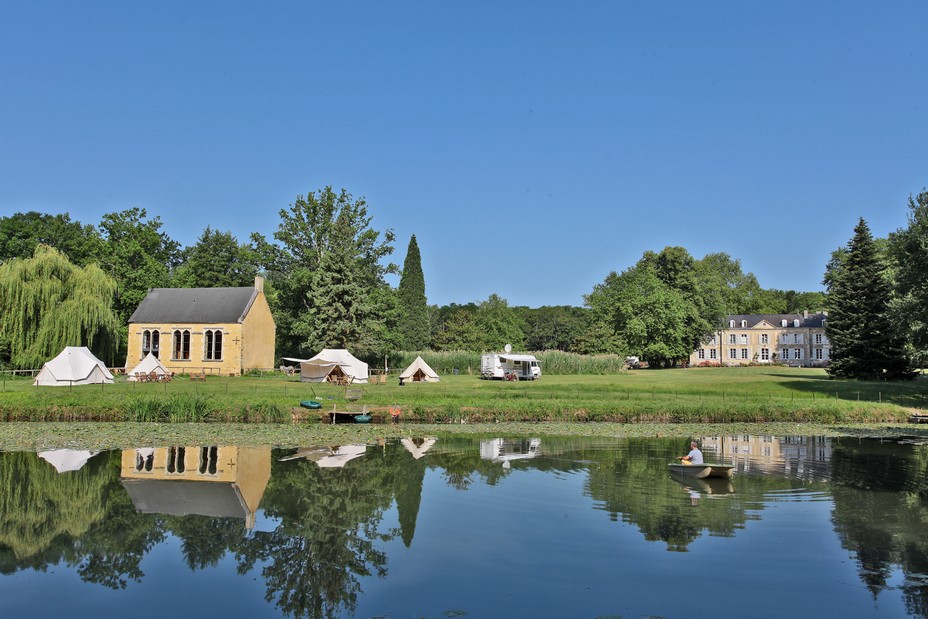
(805,313)
(259,283)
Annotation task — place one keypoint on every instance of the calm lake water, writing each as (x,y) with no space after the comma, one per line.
(467,527)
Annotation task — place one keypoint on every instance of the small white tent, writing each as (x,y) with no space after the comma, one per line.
(146,366)
(75,365)
(332,362)
(419,371)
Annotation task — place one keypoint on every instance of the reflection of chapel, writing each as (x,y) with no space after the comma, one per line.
(222,482)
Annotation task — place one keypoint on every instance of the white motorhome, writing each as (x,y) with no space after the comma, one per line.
(510,366)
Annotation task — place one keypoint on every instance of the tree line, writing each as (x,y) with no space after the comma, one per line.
(326,267)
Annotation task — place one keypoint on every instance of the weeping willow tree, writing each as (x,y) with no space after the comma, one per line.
(47,303)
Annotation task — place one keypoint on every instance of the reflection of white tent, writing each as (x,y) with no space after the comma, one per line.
(65,460)
(334,362)
(148,365)
(419,371)
(417,447)
(75,365)
(330,457)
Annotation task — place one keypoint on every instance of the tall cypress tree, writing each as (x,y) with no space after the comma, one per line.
(865,343)
(413,323)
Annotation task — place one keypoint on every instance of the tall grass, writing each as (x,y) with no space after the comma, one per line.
(553,362)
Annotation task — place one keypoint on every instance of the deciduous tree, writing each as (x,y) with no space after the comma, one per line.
(47,303)
(217,260)
(909,250)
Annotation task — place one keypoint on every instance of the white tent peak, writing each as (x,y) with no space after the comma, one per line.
(149,364)
(75,365)
(419,371)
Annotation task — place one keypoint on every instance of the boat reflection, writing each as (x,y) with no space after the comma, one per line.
(709,486)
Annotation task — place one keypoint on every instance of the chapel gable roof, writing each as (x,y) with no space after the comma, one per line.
(194,305)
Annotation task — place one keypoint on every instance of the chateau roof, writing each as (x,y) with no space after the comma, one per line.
(806,321)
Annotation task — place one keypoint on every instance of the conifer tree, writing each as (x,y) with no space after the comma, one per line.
(865,343)
(414,318)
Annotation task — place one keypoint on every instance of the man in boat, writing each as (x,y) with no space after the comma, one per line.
(694,457)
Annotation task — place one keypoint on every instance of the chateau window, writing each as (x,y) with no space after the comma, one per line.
(765,354)
(744,353)
(797,353)
(784,354)
(732,353)
(701,353)
(744,338)
(731,324)
(818,338)
(151,342)
(712,353)
(213,341)
(732,338)
(818,354)
(796,323)
(182,345)
(764,338)
(176,464)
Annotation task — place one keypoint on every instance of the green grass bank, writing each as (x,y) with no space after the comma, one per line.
(681,396)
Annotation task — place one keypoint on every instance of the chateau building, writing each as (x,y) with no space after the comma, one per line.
(790,339)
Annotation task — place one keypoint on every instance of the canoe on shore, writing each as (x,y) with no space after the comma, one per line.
(701,471)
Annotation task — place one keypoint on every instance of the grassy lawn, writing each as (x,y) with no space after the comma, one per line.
(694,395)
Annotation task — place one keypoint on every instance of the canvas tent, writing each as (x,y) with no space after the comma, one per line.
(148,365)
(332,363)
(75,365)
(419,371)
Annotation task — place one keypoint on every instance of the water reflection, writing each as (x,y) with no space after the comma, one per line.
(320,524)
(218,481)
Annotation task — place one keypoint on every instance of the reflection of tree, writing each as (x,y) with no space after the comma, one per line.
(326,538)
(204,539)
(881,511)
(37,504)
(632,480)
(408,474)
(82,518)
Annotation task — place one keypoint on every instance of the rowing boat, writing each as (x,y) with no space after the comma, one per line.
(701,471)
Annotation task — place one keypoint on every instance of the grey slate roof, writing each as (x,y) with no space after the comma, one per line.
(194,305)
(182,497)
(813,321)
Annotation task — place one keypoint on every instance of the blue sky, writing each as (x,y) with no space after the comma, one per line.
(531,147)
